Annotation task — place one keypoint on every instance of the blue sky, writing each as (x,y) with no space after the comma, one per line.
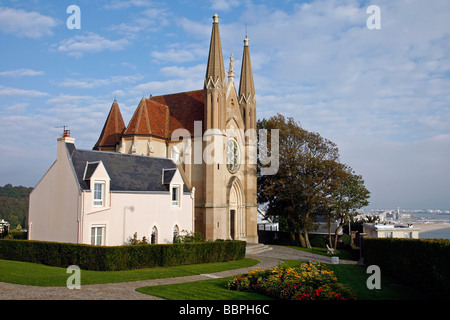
(383,95)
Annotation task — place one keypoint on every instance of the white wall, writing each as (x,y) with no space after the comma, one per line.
(128,213)
(54,202)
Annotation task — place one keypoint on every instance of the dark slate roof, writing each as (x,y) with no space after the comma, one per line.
(128,173)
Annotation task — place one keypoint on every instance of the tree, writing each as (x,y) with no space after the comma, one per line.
(350,196)
(305,180)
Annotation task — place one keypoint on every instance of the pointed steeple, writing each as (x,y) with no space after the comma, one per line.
(112,130)
(140,121)
(246,84)
(215,71)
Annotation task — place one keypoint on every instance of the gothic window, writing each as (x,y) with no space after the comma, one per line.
(176,232)
(233,156)
(154,236)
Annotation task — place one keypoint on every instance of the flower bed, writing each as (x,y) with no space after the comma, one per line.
(309,281)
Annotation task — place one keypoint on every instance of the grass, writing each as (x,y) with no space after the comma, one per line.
(214,289)
(41,275)
(353,275)
(342,254)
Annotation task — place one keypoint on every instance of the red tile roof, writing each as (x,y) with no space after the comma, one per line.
(184,109)
(158,116)
(113,128)
(150,118)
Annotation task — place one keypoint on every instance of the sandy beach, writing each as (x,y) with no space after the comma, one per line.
(424,227)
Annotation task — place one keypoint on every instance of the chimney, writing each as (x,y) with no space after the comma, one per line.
(61,151)
(66,137)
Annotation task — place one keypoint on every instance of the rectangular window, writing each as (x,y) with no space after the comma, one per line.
(175,196)
(99,194)
(98,235)
(388,234)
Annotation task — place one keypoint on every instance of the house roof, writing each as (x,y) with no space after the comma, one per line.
(184,109)
(113,128)
(161,115)
(128,173)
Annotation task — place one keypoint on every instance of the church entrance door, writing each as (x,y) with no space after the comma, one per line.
(236,211)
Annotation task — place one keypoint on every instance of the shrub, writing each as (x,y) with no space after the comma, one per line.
(309,281)
(102,258)
(420,263)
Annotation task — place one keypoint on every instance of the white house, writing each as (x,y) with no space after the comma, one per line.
(382,230)
(104,198)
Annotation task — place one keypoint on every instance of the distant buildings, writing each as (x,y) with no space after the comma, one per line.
(4,226)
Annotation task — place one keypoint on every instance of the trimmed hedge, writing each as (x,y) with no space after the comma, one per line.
(117,258)
(420,263)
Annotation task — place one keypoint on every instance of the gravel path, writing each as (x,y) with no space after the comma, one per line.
(127,290)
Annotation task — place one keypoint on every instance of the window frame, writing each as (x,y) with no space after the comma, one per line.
(175,203)
(99,203)
(95,235)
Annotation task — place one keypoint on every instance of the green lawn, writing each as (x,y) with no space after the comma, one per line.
(342,254)
(352,275)
(200,290)
(41,275)
(215,289)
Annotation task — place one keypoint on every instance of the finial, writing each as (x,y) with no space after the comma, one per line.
(230,70)
(246,41)
(215,18)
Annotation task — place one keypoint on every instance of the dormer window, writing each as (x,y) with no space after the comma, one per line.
(99,193)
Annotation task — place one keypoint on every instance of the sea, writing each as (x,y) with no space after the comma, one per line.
(431,224)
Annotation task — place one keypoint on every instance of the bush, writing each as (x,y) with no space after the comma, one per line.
(101,258)
(318,240)
(309,281)
(420,263)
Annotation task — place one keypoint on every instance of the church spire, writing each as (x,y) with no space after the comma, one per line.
(246,84)
(215,71)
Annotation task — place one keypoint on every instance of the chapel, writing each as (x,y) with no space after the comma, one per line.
(210,134)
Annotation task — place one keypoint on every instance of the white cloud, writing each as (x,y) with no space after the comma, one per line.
(8,91)
(184,72)
(90,43)
(125,4)
(165,87)
(26,24)
(181,55)
(148,20)
(21,73)
(18,107)
(224,5)
(89,83)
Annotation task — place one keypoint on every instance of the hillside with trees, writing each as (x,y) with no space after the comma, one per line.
(14,205)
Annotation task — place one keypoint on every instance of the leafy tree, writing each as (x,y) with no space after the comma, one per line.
(304,183)
(350,195)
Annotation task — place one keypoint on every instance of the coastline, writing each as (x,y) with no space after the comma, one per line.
(425,227)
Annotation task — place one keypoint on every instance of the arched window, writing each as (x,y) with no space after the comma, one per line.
(176,232)
(154,236)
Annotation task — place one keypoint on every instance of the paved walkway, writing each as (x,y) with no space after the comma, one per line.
(127,290)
